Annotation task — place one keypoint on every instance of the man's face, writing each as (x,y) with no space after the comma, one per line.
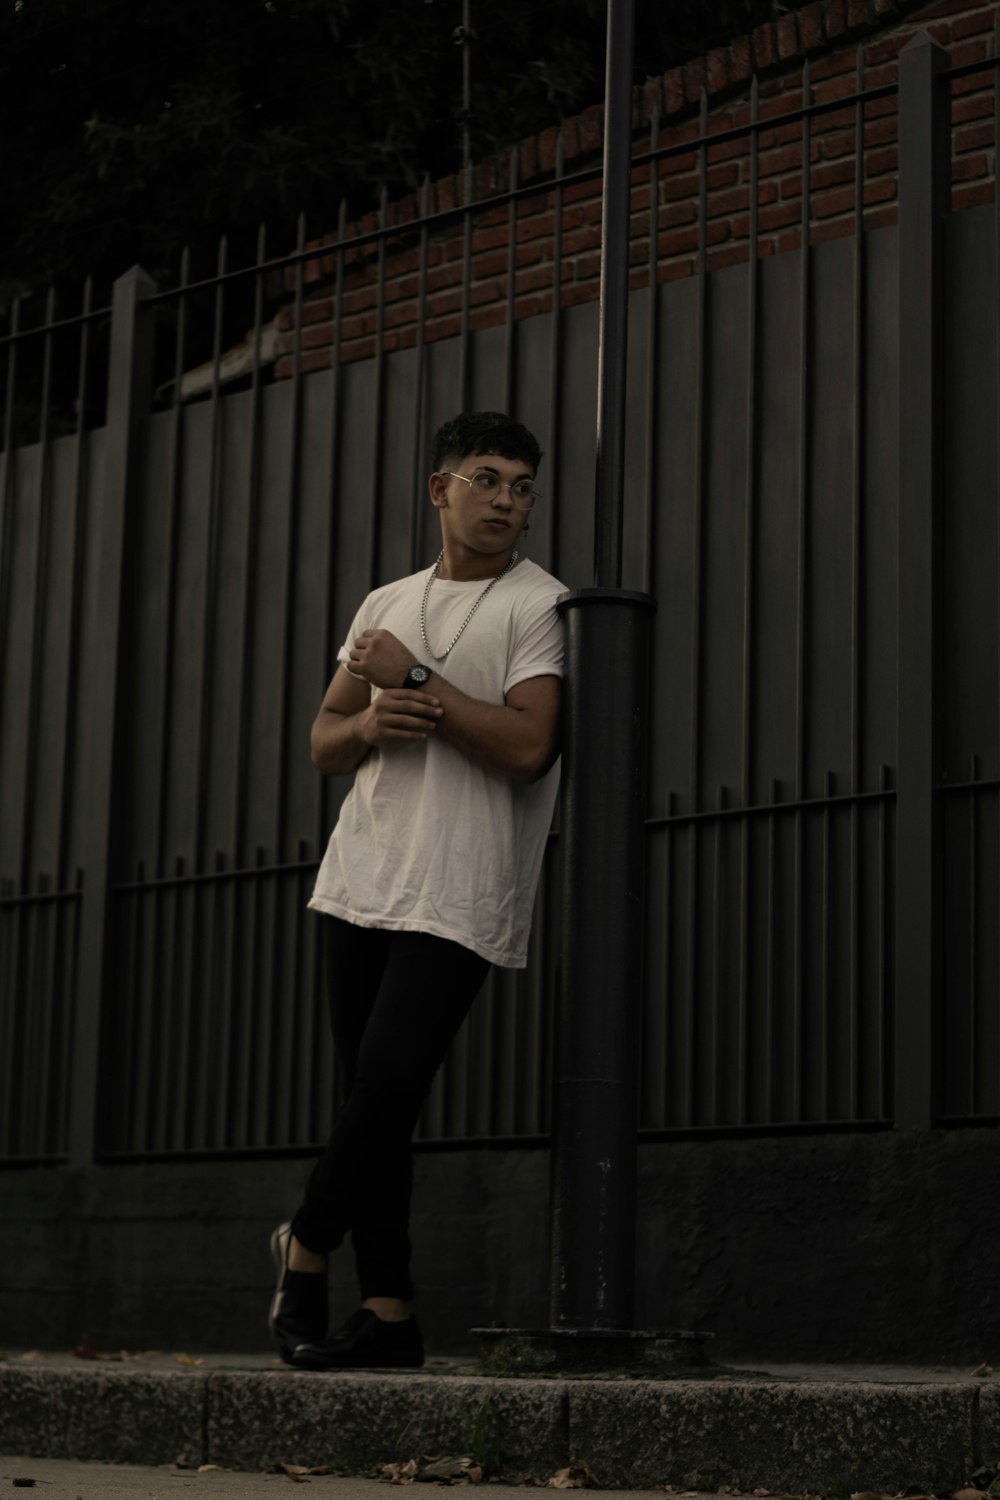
(485,524)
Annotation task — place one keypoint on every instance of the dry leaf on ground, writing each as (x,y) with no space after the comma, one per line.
(577,1475)
(298,1473)
(969,1493)
(982,1370)
(189,1359)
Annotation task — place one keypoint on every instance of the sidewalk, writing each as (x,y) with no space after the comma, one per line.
(826,1430)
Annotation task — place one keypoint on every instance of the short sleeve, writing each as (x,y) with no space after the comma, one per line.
(359,624)
(538,646)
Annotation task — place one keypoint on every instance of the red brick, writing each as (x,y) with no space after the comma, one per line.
(578,292)
(489,239)
(722,205)
(790,240)
(717,70)
(811,27)
(740,61)
(684,240)
(880,218)
(835,65)
(316,359)
(677,213)
(731,255)
(443,328)
(886,48)
(838,143)
(982,21)
(972,137)
(533,278)
(592,129)
(675,272)
(585,267)
(969,52)
(581,239)
(788,37)
(673,91)
(880,131)
(972,195)
(547,148)
(694,79)
(834,88)
(781,160)
(773,216)
(879,162)
(529,159)
(835,18)
(444,276)
(638,278)
(570,140)
(833,229)
(403,313)
(968,168)
(764,50)
(652,98)
(973,84)
(826,205)
(858,18)
(978,108)
(445,194)
(880,192)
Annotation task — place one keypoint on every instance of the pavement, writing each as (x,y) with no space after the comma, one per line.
(236,1424)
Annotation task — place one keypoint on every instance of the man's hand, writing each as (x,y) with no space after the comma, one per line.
(398,713)
(381,659)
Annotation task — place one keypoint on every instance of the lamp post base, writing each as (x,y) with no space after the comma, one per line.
(667,1354)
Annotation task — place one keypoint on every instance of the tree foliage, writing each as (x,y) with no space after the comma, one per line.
(133,129)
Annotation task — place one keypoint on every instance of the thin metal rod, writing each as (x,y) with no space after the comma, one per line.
(551,510)
(652,361)
(613,314)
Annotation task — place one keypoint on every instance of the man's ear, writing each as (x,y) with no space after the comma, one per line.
(438,486)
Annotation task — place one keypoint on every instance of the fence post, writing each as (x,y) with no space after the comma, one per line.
(129,387)
(924,202)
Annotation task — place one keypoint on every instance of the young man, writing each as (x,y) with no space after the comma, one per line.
(445,706)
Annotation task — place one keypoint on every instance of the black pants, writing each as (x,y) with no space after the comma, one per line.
(396,1001)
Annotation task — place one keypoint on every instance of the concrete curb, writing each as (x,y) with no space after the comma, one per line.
(824,1436)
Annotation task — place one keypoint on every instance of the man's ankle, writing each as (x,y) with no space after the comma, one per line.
(389,1309)
(301,1259)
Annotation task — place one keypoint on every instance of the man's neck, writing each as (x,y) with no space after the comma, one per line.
(461,566)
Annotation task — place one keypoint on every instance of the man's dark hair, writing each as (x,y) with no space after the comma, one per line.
(485,432)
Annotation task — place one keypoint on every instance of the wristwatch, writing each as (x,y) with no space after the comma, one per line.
(417,676)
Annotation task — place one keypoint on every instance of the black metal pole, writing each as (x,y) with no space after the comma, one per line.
(595,1117)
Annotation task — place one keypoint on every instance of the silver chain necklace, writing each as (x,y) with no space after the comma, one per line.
(427,593)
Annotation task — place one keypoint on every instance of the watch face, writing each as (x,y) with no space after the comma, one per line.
(418,674)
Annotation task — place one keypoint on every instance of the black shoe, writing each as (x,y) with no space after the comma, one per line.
(299,1311)
(366,1342)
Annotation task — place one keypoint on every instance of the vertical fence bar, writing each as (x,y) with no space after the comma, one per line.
(378,398)
(555,367)
(924,200)
(652,355)
(996,347)
(801,632)
(690,1006)
(129,385)
(974,1104)
(510,326)
(281,1081)
(39,612)
(7,487)
(419,477)
(464,351)
(71,692)
(323,786)
(746,714)
(857,564)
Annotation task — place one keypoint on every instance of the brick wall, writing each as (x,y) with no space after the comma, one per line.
(826,38)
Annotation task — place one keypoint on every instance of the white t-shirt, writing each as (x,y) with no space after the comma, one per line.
(428,841)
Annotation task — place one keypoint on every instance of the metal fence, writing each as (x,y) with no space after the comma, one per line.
(811,495)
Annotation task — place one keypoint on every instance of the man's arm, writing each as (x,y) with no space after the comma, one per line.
(349,724)
(519,737)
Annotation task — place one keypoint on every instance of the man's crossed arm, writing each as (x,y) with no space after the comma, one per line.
(518,738)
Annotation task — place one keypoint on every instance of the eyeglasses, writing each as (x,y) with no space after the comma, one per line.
(485,485)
